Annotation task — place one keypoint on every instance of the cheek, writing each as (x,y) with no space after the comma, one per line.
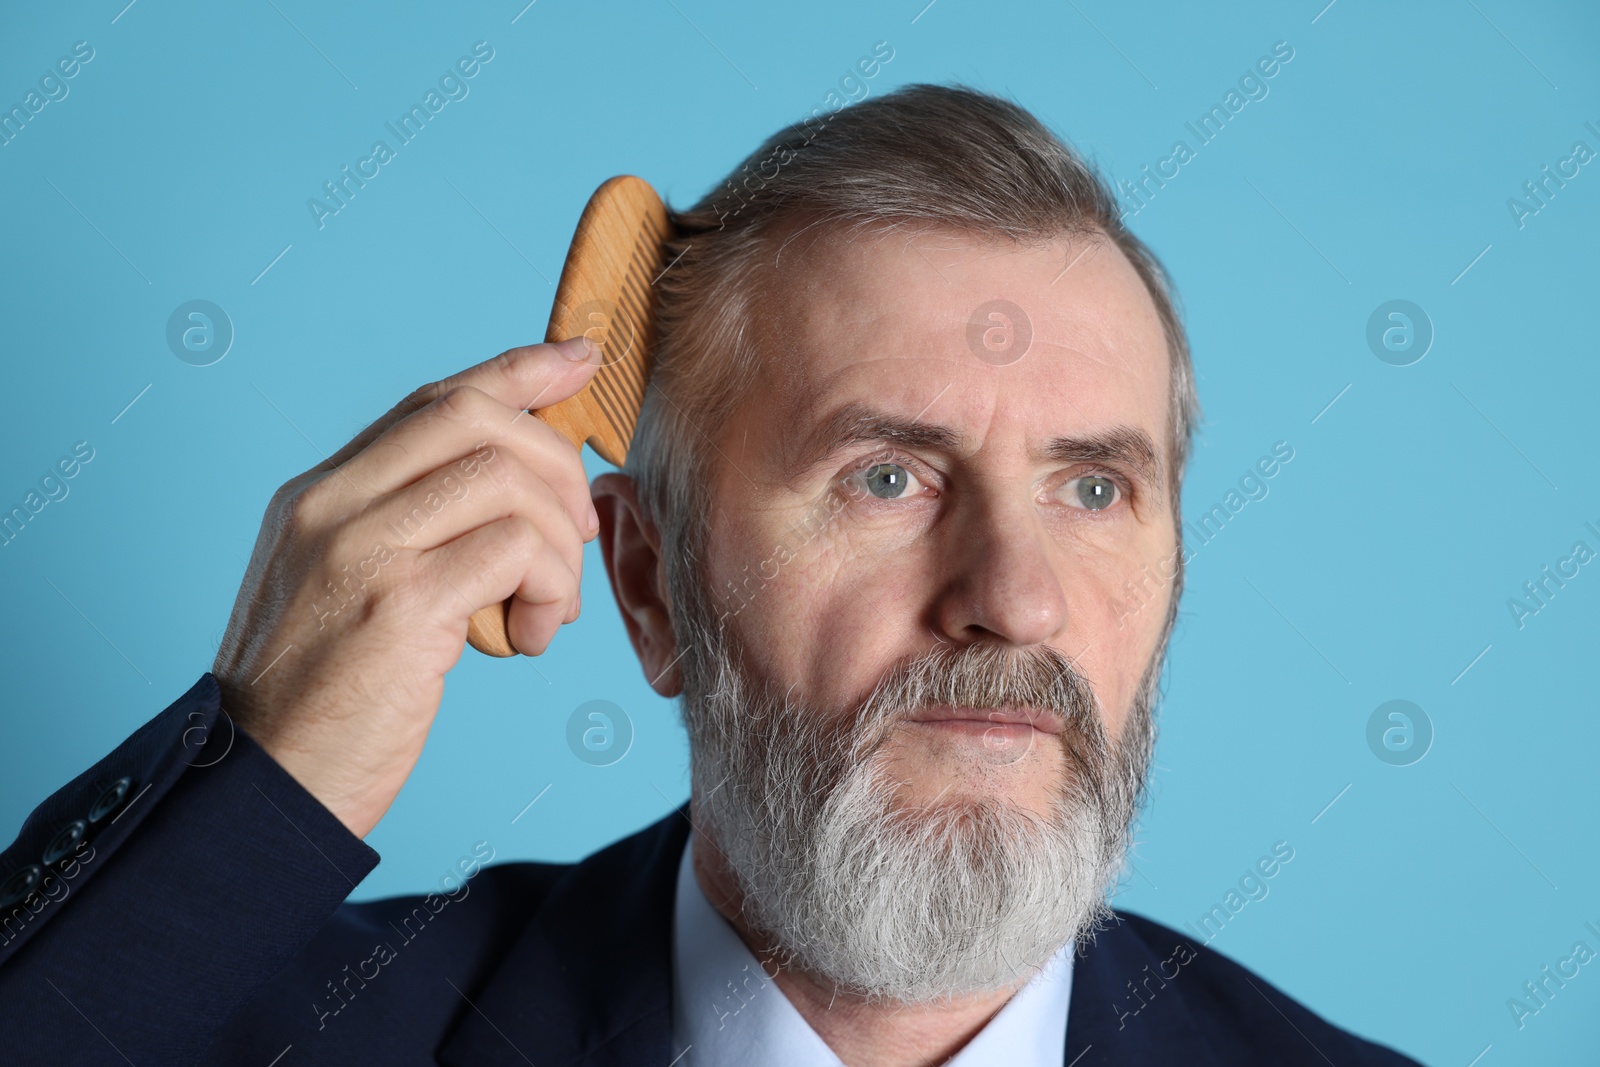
(1110,577)
(835,614)
(1117,605)
(1116,683)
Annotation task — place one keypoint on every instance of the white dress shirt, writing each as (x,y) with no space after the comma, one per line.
(727,1013)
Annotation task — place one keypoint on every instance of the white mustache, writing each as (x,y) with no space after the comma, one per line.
(1040,681)
(939,903)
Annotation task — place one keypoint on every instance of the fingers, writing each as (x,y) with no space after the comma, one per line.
(446,428)
(463,445)
(531,376)
(474,434)
(487,501)
(462,496)
(507,558)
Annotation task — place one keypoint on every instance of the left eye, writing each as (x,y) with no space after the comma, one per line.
(1091,492)
(886,481)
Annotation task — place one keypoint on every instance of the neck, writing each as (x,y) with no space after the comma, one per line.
(860,1032)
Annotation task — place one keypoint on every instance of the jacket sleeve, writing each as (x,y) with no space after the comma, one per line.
(146,900)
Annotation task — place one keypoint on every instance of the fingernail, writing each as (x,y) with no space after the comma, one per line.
(577,349)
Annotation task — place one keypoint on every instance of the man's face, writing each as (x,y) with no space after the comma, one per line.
(897,480)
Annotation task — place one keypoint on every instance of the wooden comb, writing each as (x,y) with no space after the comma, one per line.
(606,294)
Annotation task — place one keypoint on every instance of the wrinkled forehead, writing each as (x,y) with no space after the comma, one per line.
(1061,333)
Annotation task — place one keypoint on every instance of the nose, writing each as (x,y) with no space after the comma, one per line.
(1003,582)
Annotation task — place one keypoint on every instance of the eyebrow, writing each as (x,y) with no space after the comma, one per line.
(857,422)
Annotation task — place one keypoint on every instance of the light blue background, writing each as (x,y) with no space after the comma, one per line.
(1378,167)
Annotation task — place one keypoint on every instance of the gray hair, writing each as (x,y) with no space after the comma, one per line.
(946,156)
(911,906)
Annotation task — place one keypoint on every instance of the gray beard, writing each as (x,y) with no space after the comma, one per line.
(908,905)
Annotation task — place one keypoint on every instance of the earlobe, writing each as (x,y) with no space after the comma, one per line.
(631,547)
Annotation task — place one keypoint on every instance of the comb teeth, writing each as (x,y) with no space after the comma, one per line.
(618,389)
(606,281)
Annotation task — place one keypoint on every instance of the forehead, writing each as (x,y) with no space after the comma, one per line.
(1055,334)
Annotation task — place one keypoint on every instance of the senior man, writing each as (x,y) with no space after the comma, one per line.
(920,414)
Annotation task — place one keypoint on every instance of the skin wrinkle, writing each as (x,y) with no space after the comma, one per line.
(857,422)
(841,289)
(855,277)
(814,802)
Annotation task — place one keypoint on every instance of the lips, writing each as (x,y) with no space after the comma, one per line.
(1039,719)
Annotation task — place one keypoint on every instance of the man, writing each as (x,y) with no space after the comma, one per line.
(920,412)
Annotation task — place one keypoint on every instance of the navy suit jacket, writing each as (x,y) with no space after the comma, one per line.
(182,902)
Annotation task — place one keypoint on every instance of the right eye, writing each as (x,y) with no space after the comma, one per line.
(886,481)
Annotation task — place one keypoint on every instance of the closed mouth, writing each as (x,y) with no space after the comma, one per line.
(988,718)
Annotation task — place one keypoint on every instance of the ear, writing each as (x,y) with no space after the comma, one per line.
(631,547)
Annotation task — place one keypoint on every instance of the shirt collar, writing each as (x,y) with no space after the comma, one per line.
(726,1012)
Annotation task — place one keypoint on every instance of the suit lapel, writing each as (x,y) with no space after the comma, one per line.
(1129,1003)
(589,980)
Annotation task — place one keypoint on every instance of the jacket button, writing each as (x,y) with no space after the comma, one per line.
(111,799)
(16,889)
(64,842)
